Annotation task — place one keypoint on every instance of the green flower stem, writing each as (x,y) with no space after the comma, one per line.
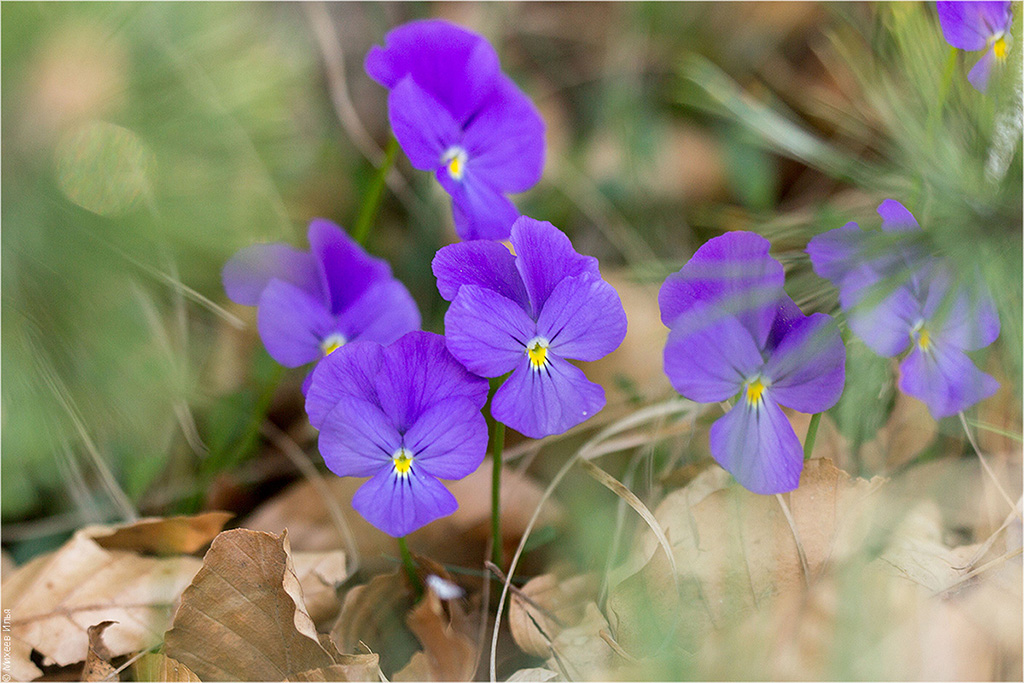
(376,191)
(812,434)
(410,567)
(497,446)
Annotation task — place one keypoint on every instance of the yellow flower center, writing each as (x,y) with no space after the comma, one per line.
(403,462)
(455,160)
(754,391)
(924,340)
(537,351)
(1000,48)
(332,344)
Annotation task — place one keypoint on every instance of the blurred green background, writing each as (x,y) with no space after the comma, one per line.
(145,143)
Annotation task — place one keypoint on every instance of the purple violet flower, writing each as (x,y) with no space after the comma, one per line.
(978,26)
(912,301)
(405,415)
(308,304)
(455,113)
(526,314)
(734,331)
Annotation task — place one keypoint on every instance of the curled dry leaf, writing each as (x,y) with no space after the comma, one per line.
(739,548)
(320,575)
(372,614)
(581,652)
(182,535)
(156,667)
(243,617)
(97,662)
(551,606)
(55,598)
(536,675)
(449,651)
(349,668)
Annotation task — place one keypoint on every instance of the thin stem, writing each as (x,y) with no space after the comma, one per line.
(410,567)
(373,196)
(985,465)
(812,434)
(497,446)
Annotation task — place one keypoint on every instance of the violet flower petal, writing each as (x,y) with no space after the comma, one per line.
(351,372)
(836,252)
(480,211)
(960,315)
(550,400)
(583,318)
(249,271)
(545,257)
(807,369)
(945,379)
(382,314)
(424,128)
(400,505)
(457,67)
(711,362)
(486,264)
(417,372)
(980,73)
(896,217)
(357,439)
(292,324)
(346,270)
(756,444)
(504,142)
(970,25)
(883,325)
(487,332)
(734,271)
(449,439)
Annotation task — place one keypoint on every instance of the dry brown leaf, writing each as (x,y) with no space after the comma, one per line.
(156,667)
(739,546)
(97,662)
(449,652)
(349,668)
(580,651)
(243,617)
(909,429)
(182,535)
(7,564)
(555,604)
(55,598)
(373,614)
(301,510)
(320,575)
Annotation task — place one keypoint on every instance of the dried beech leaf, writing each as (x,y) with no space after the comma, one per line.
(320,575)
(448,652)
(348,668)
(182,535)
(581,651)
(243,617)
(157,667)
(97,662)
(55,598)
(373,614)
(556,604)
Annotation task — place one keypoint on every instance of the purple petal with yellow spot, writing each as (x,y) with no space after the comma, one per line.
(710,362)
(487,332)
(881,316)
(583,318)
(423,127)
(545,257)
(357,439)
(399,505)
(945,379)
(808,368)
(545,401)
(972,25)
(449,439)
(757,445)
(483,263)
(250,270)
(292,324)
